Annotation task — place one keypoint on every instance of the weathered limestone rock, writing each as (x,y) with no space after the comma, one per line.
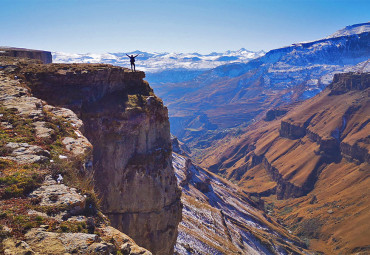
(127,244)
(23,153)
(179,147)
(66,114)
(289,130)
(135,175)
(6,125)
(59,243)
(16,247)
(53,194)
(40,241)
(41,130)
(344,82)
(129,130)
(101,248)
(63,204)
(77,146)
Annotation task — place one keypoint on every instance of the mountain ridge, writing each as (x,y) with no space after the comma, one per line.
(159,61)
(218,218)
(236,94)
(310,165)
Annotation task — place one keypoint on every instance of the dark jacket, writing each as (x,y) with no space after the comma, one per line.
(132,59)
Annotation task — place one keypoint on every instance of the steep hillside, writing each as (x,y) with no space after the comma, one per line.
(311,165)
(235,94)
(128,128)
(218,218)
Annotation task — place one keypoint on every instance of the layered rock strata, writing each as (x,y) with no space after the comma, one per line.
(295,149)
(44,56)
(314,174)
(129,130)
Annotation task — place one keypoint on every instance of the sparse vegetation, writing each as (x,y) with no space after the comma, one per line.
(309,228)
(286,210)
(22,129)
(135,101)
(269,207)
(14,215)
(76,177)
(17,181)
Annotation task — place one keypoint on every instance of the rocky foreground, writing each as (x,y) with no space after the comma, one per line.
(39,213)
(69,131)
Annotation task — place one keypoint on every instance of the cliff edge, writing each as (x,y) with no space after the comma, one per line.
(128,128)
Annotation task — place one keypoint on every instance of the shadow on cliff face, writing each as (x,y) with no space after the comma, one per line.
(77,84)
(129,129)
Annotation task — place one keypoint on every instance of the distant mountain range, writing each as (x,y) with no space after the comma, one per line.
(309,163)
(353,29)
(155,62)
(239,93)
(209,94)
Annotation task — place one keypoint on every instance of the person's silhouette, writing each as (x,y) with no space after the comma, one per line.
(132,61)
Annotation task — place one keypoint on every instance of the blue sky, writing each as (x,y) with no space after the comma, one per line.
(204,26)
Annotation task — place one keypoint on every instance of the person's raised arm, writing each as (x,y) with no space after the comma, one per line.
(136,55)
(127,55)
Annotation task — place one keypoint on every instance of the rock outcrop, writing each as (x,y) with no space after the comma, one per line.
(179,147)
(44,56)
(129,130)
(344,82)
(274,113)
(47,201)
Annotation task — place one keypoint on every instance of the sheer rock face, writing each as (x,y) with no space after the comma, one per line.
(44,56)
(129,129)
(344,82)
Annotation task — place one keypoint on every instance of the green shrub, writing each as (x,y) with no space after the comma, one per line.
(64,228)
(39,219)
(28,226)
(20,183)
(12,191)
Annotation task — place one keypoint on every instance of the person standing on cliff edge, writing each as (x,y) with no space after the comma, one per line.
(132,61)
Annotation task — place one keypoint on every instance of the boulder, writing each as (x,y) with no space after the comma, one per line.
(53,194)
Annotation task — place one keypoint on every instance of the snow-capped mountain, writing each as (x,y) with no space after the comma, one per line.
(155,62)
(350,30)
(235,94)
